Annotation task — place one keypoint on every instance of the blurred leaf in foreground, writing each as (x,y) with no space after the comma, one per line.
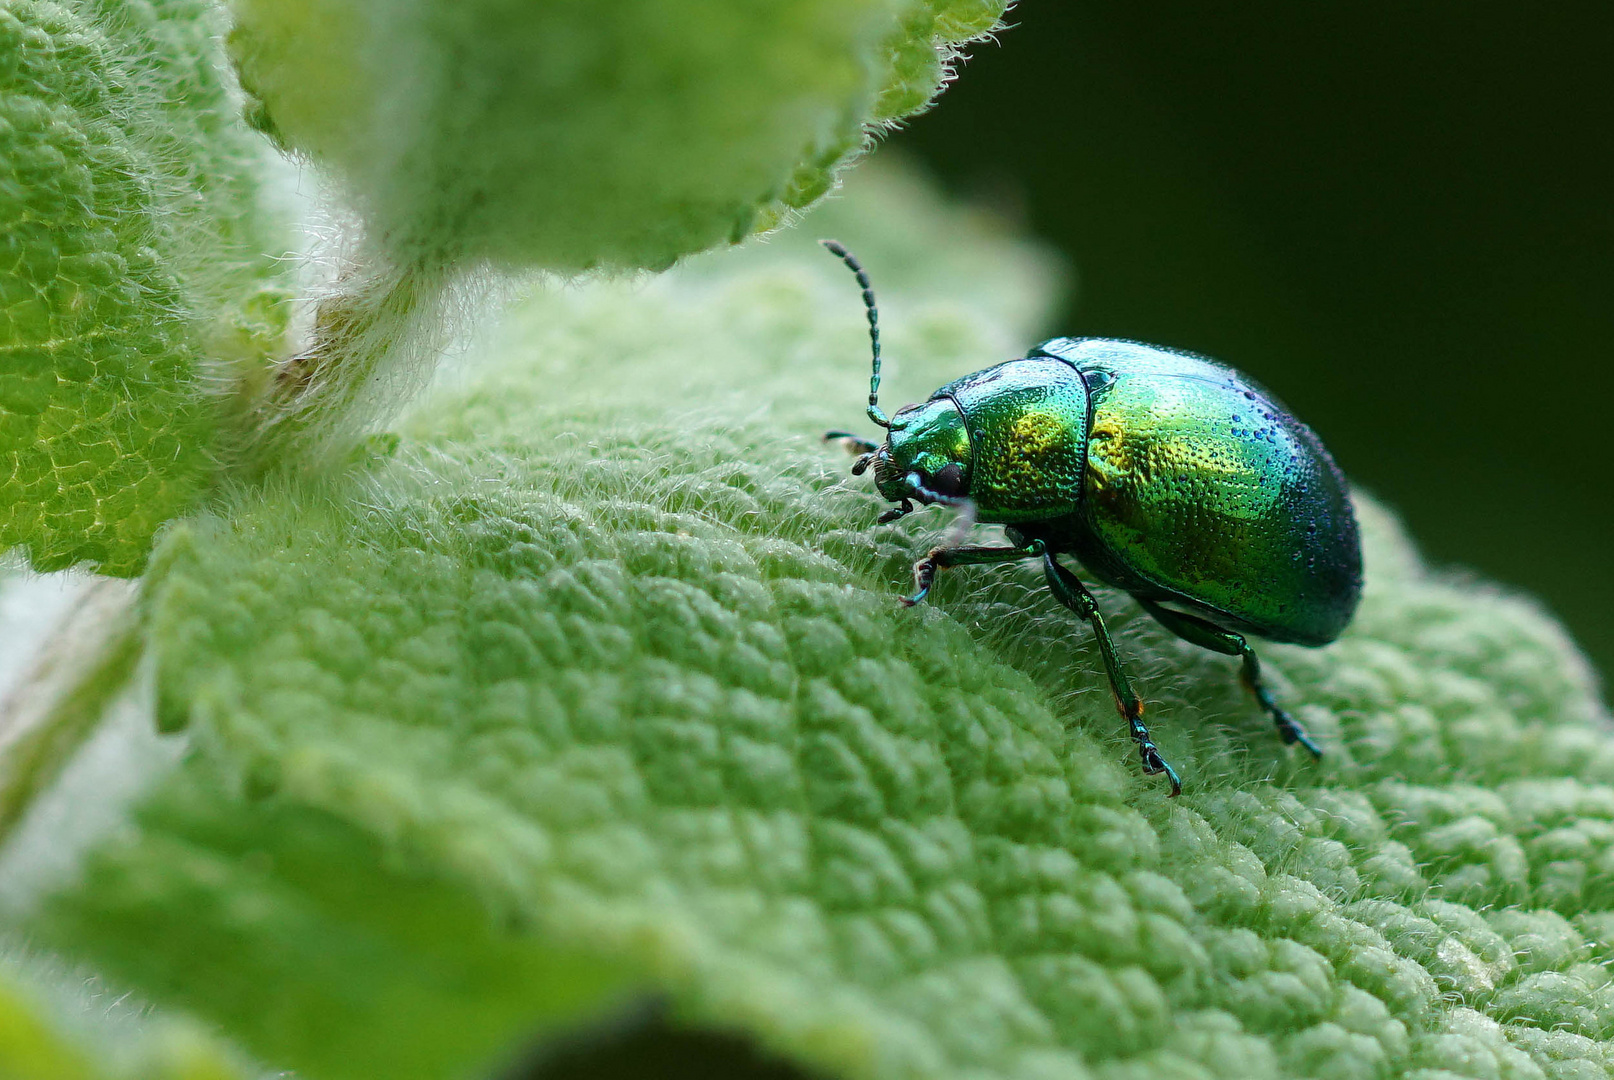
(571,134)
(52,1028)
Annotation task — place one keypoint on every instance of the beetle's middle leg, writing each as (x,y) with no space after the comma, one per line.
(924,571)
(1069,590)
(1207,635)
(856,445)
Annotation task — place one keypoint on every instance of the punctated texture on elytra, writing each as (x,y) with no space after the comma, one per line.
(126,227)
(641,684)
(573,134)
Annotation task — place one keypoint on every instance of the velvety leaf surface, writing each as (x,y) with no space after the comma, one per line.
(605,655)
(129,243)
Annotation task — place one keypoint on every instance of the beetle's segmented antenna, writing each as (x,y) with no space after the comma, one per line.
(838,250)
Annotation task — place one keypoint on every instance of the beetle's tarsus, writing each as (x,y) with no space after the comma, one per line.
(854,444)
(1288,729)
(901,510)
(1154,764)
(1207,635)
(1305,740)
(924,576)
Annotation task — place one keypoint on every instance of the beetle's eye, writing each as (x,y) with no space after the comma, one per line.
(949,479)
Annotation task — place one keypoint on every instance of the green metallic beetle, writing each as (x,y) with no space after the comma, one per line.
(1163,473)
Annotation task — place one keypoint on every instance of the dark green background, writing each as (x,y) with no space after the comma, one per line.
(1398,217)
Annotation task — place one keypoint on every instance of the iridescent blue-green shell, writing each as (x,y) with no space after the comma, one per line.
(1201,491)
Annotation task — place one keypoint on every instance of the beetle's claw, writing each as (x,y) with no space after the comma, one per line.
(1305,740)
(1154,764)
(1288,730)
(924,576)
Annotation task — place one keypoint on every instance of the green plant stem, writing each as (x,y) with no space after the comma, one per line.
(85,661)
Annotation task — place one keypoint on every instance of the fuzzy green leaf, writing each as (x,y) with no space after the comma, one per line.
(57,1025)
(132,248)
(569,134)
(635,680)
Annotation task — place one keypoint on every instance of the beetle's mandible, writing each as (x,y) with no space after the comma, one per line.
(1161,472)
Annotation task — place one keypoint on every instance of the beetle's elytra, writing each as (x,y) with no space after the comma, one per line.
(1161,472)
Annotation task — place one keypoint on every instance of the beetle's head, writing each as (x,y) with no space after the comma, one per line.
(928,444)
(926,453)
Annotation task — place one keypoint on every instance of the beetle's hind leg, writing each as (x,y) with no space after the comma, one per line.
(1069,590)
(1207,635)
(924,571)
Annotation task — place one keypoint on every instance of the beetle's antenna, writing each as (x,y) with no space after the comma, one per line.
(836,249)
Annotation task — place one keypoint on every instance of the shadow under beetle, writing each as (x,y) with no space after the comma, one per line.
(1163,473)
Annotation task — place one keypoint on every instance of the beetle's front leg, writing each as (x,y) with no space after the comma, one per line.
(924,571)
(901,510)
(1068,590)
